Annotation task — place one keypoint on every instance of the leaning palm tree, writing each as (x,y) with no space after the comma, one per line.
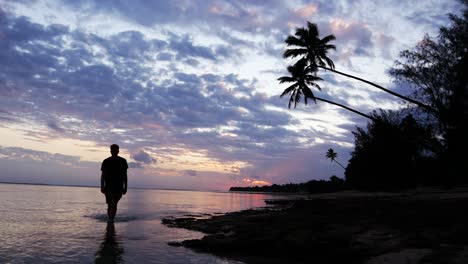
(301,77)
(332,155)
(310,47)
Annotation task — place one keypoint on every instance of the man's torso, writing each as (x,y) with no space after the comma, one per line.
(114,169)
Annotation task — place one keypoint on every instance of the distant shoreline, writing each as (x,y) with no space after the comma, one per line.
(47,184)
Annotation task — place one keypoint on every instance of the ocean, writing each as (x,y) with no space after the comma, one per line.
(61,224)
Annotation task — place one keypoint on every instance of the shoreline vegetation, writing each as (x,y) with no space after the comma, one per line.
(419,226)
(335,184)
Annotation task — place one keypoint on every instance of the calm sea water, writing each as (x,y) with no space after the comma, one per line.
(56,224)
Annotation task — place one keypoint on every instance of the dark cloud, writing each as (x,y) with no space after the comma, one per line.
(54,126)
(143,157)
(135,165)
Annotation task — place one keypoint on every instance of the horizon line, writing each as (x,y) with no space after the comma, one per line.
(95,186)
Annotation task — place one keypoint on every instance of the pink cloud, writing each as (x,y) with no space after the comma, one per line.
(307,11)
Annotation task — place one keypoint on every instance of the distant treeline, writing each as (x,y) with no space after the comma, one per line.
(314,186)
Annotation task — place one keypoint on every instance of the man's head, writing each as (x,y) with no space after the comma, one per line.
(114,149)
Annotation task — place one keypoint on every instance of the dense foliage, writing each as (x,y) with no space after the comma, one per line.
(395,151)
(437,69)
(391,153)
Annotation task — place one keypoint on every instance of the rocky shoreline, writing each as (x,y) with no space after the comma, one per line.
(346,227)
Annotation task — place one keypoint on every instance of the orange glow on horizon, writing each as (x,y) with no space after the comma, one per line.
(253,182)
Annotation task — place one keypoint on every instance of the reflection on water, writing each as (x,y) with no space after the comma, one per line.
(59,224)
(111,249)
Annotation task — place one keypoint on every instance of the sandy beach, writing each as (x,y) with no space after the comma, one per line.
(421,226)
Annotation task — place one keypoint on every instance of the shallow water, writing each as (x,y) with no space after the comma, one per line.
(59,224)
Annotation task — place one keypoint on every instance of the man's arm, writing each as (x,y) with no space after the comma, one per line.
(103,182)
(125,182)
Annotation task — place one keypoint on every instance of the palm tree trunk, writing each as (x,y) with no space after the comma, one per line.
(339,164)
(345,107)
(383,89)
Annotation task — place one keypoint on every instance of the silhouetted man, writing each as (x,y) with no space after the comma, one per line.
(113,180)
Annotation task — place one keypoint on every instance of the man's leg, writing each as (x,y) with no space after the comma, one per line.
(112,205)
(109,205)
(114,209)
(109,210)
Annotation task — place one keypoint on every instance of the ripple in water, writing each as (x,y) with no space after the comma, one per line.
(118,218)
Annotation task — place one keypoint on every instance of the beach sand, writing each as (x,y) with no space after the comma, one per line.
(421,226)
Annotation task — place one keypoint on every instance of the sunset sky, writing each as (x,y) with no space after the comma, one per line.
(188,89)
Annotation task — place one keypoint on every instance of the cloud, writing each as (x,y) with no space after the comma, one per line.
(355,34)
(307,11)
(54,126)
(135,165)
(186,48)
(27,154)
(143,157)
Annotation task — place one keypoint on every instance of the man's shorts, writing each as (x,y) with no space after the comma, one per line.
(113,197)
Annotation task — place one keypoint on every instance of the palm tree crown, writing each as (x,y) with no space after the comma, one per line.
(331,154)
(301,77)
(310,46)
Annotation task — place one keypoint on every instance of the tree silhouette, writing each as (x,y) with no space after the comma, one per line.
(436,68)
(302,77)
(391,154)
(332,155)
(311,48)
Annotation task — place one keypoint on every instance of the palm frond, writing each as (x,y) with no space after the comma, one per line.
(319,61)
(308,94)
(329,62)
(328,39)
(302,33)
(312,68)
(286,79)
(294,53)
(290,89)
(294,41)
(312,78)
(313,29)
(297,98)
(330,46)
(291,99)
(316,86)
(301,63)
